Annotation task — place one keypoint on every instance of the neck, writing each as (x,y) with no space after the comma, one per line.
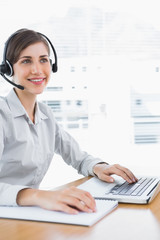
(28,101)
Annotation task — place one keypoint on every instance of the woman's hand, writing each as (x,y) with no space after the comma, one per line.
(104,172)
(70,200)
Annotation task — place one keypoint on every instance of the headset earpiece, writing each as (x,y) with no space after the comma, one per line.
(6,69)
(54,68)
(2,68)
(9,69)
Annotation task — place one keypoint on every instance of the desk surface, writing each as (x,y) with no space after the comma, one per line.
(127,222)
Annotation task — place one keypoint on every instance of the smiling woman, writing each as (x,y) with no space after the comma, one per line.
(31,153)
(110,41)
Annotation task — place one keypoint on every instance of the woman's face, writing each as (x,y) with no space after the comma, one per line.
(33,68)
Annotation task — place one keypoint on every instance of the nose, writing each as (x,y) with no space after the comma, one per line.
(36,68)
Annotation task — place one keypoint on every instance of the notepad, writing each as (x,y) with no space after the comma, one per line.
(38,214)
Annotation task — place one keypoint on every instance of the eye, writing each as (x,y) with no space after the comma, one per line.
(43,60)
(25,61)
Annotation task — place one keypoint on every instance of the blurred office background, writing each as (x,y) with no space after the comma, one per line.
(106,92)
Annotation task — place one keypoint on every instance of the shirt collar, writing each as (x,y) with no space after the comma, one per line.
(15,105)
(39,115)
(18,110)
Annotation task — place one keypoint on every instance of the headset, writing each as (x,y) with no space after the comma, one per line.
(7,69)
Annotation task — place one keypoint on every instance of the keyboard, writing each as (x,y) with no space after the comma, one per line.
(132,189)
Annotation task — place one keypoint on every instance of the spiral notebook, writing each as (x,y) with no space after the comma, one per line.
(38,214)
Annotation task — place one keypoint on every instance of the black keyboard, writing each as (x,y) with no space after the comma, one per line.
(133,189)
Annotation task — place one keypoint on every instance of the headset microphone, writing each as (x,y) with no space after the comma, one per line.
(14,84)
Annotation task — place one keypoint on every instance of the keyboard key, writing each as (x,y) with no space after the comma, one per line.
(116,189)
(132,189)
(141,187)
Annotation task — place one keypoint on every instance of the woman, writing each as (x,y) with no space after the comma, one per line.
(29,135)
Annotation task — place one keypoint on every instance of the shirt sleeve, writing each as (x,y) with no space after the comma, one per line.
(72,154)
(8,192)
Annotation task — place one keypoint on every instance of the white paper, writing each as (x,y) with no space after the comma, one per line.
(39,214)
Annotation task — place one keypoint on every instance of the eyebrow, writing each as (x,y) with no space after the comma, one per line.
(31,57)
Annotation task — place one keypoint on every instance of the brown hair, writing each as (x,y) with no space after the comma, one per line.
(20,40)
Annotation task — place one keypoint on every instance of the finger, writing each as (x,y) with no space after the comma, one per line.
(118,170)
(89,201)
(81,206)
(85,198)
(121,171)
(76,204)
(106,178)
(67,209)
(127,174)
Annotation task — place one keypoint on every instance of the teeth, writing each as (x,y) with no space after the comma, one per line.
(36,80)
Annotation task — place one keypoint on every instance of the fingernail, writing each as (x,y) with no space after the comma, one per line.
(95,210)
(75,212)
(90,211)
(111,180)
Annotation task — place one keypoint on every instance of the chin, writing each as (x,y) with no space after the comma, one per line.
(39,92)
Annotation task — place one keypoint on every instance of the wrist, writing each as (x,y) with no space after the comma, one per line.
(98,166)
(27,197)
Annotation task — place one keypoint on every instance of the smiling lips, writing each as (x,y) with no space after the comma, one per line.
(36,80)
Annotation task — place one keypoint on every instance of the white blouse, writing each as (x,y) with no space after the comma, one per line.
(27,148)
